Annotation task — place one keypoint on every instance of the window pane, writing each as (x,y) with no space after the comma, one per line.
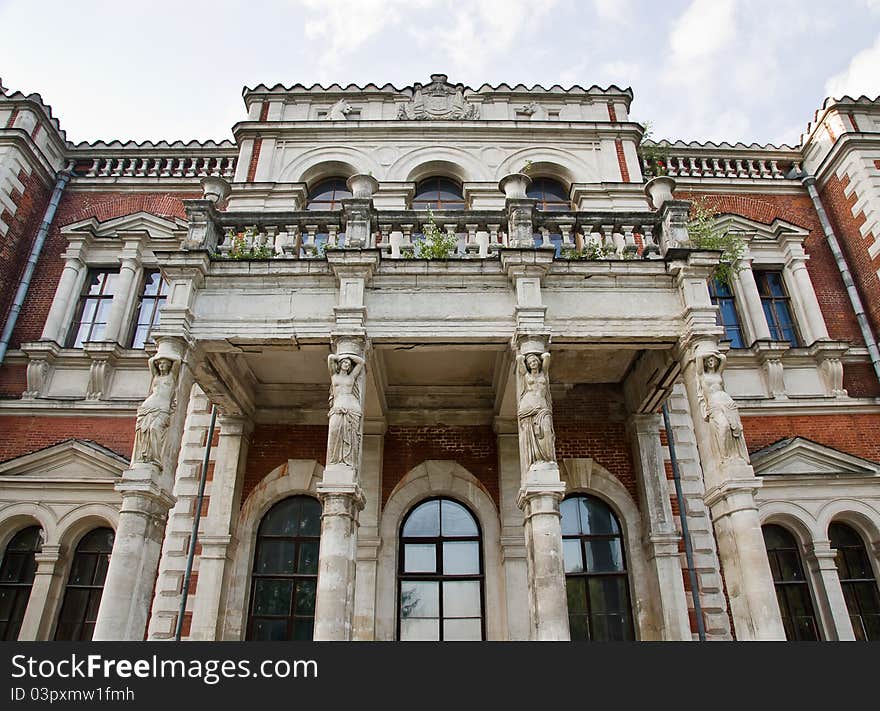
(604,556)
(272,597)
(579,628)
(456,520)
(420,558)
(423,521)
(304,629)
(572,555)
(610,628)
(570,522)
(269,630)
(576,590)
(461,558)
(275,556)
(83,569)
(305,597)
(462,630)
(308,558)
(597,518)
(607,594)
(282,519)
(419,599)
(420,630)
(461,598)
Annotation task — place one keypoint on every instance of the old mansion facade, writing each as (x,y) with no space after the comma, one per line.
(439,363)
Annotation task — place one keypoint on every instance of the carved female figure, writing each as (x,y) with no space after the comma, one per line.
(720,410)
(154,414)
(537,440)
(344,437)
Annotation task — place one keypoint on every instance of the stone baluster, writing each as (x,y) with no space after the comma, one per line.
(332,235)
(774,170)
(608,237)
(545,237)
(650,246)
(629,241)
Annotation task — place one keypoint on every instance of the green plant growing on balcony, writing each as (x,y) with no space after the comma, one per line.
(437,243)
(704,235)
(241,251)
(655,156)
(589,252)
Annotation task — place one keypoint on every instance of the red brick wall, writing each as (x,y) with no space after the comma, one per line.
(23,434)
(854,434)
(13,381)
(590,421)
(474,448)
(798,209)
(860,380)
(854,246)
(272,445)
(76,206)
(23,227)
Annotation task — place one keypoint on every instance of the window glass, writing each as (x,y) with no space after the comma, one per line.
(777,306)
(857,581)
(596,576)
(328,194)
(440,577)
(438,193)
(285,573)
(16,579)
(85,585)
(93,307)
(152,299)
(728,318)
(792,587)
(552,196)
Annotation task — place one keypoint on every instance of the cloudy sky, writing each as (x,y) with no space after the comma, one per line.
(751,70)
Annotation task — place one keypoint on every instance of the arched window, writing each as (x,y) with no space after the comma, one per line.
(16,579)
(857,580)
(285,573)
(552,196)
(328,194)
(438,193)
(595,571)
(440,583)
(792,588)
(82,596)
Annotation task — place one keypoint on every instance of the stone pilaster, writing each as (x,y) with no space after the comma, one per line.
(821,558)
(146,498)
(72,276)
(38,616)
(661,536)
(225,497)
(730,479)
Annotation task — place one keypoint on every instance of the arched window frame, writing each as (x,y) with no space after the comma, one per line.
(804,586)
(438,575)
(435,184)
(21,586)
(295,576)
(625,573)
(336,186)
(537,190)
(846,583)
(92,587)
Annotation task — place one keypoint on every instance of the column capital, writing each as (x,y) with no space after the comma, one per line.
(735,493)
(235,425)
(328,493)
(47,557)
(648,423)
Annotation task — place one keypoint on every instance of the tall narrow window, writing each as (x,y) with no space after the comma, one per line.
(82,596)
(438,194)
(728,318)
(595,571)
(777,306)
(440,581)
(328,194)
(152,299)
(552,196)
(792,588)
(285,572)
(93,307)
(16,579)
(857,580)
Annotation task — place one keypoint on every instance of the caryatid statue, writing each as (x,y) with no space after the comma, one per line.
(535,414)
(346,411)
(154,414)
(719,409)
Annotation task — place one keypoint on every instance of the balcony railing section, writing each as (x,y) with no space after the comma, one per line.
(723,167)
(478,234)
(157,167)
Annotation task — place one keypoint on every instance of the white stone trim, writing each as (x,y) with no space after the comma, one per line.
(430,479)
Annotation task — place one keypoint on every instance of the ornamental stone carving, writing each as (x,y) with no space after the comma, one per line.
(339,111)
(535,414)
(719,410)
(346,411)
(438,100)
(535,111)
(154,414)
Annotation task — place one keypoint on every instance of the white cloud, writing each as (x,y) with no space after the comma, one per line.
(862,76)
(706,28)
(617,11)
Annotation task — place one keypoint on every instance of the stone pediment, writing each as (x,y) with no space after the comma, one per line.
(438,101)
(760,231)
(72,460)
(797,456)
(157,227)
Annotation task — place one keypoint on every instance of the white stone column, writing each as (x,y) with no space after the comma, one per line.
(65,299)
(146,498)
(822,560)
(38,616)
(368,541)
(746,289)
(662,537)
(342,499)
(225,493)
(804,301)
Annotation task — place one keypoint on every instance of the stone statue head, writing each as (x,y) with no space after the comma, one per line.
(163,366)
(533,362)
(345,365)
(711,362)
